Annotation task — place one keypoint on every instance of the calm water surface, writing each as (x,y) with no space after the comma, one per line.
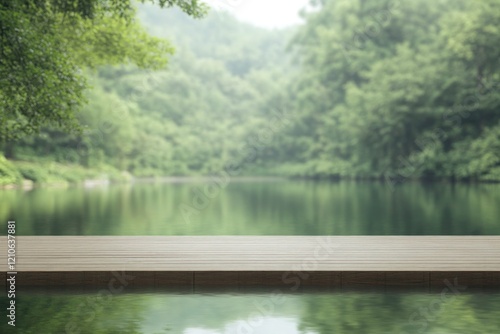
(258,313)
(256,207)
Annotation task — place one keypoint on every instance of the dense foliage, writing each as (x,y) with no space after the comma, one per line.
(44,45)
(189,118)
(399,89)
(365,89)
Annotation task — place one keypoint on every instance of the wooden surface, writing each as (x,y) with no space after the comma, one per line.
(187,281)
(255,253)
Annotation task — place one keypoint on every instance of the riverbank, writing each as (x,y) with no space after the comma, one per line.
(15,174)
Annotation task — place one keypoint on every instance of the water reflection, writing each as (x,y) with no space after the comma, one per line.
(262,325)
(257,208)
(243,313)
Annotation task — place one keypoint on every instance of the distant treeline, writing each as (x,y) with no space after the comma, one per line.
(365,89)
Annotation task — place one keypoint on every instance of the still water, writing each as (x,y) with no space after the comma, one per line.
(255,207)
(258,313)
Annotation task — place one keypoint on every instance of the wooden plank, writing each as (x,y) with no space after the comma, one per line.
(189,281)
(363,279)
(255,253)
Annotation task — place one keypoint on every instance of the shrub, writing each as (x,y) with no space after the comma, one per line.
(8,172)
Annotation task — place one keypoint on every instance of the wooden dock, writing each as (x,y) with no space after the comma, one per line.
(223,258)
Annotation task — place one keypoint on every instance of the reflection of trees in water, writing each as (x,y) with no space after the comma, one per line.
(83,314)
(213,312)
(351,313)
(321,313)
(258,208)
(135,313)
(401,313)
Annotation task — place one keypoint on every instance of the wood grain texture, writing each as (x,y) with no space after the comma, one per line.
(255,253)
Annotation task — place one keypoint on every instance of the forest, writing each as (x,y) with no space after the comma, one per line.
(364,89)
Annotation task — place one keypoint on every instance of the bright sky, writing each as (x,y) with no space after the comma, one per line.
(263,13)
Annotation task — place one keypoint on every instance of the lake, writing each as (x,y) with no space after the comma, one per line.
(320,312)
(255,207)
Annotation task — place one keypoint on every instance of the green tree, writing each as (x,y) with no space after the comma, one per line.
(45,44)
